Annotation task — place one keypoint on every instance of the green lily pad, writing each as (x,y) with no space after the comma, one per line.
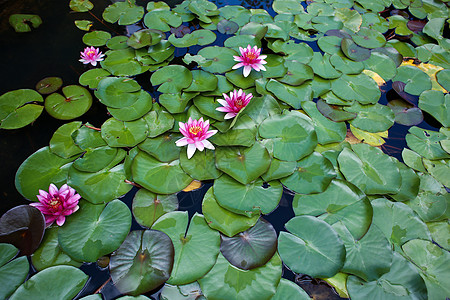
(381,64)
(162,19)
(341,201)
(227,27)
(405,113)
(48,85)
(439,232)
(322,66)
(118,92)
(401,282)
(96,159)
(398,222)
(201,166)
(21,22)
(202,81)
(443,78)
(288,290)
(249,200)
(327,131)
(426,143)
(50,254)
(345,65)
(158,177)
(39,170)
(370,169)
(400,24)
(124,134)
(416,80)
(62,143)
(196,245)
(117,42)
(145,37)
(369,257)
(312,247)
(287,6)
(135,111)
(22,226)
(369,38)
(189,291)
(237,78)
(274,67)
(96,38)
(371,117)
(172,78)
(251,248)
(95,230)
(123,12)
(93,77)
(148,207)
(431,262)
(297,73)
(359,87)
(61,282)
(158,121)
(162,147)
(81,5)
(292,135)
(313,174)
(223,220)
(353,51)
(76,101)
(330,44)
(99,187)
(200,37)
(14,110)
(12,273)
(123,62)
(208,105)
(88,138)
(143,262)
(84,25)
(228,282)
(332,113)
(436,104)
(243,164)
(410,183)
(439,169)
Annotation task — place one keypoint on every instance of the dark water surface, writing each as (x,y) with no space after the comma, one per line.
(53,50)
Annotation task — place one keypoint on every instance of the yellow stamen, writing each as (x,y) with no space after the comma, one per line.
(251,55)
(54,204)
(195,130)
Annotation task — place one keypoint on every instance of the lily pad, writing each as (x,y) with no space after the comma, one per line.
(61,282)
(39,170)
(21,22)
(135,111)
(93,77)
(416,80)
(431,262)
(322,66)
(426,143)
(123,62)
(405,113)
(410,183)
(158,121)
(162,147)
(76,101)
(401,282)
(341,201)
(370,169)
(312,247)
(371,117)
(443,77)
(221,58)
(202,81)
(369,38)
(360,87)
(99,187)
(353,51)
(158,177)
(145,37)
(313,174)
(196,245)
(243,164)
(162,19)
(48,85)
(148,207)
(124,134)
(251,248)
(50,254)
(96,38)
(201,166)
(22,226)
(292,135)
(223,220)
(12,273)
(172,78)
(81,5)
(249,200)
(381,64)
(123,12)
(436,104)
(62,143)
(143,262)
(95,230)
(84,25)
(333,113)
(118,92)
(226,281)
(16,111)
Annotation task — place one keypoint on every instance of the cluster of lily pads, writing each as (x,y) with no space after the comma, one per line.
(371,226)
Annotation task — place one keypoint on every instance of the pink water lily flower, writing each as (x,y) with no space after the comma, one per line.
(195,134)
(250,59)
(57,204)
(91,55)
(232,105)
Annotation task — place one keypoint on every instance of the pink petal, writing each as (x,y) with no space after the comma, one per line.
(199,146)
(191,150)
(60,220)
(247,70)
(230,115)
(208,145)
(237,66)
(182,142)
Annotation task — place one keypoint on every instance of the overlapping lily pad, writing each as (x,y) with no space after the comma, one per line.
(17,109)
(196,245)
(12,272)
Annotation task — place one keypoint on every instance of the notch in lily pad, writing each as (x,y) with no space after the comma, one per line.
(76,101)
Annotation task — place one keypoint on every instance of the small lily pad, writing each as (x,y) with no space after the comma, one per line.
(123,12)
(81,5)
(162,147)
(359,87)
(353,51)
(221,59)
(21,23)
(148,207)
(76,102)
(369,38)
(16,111)
(436,104)
(124,134)
(371,117)
(48,85)
(416,80)
(96,38)
(172,78)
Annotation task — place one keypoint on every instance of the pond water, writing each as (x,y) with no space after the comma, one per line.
(53,50)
